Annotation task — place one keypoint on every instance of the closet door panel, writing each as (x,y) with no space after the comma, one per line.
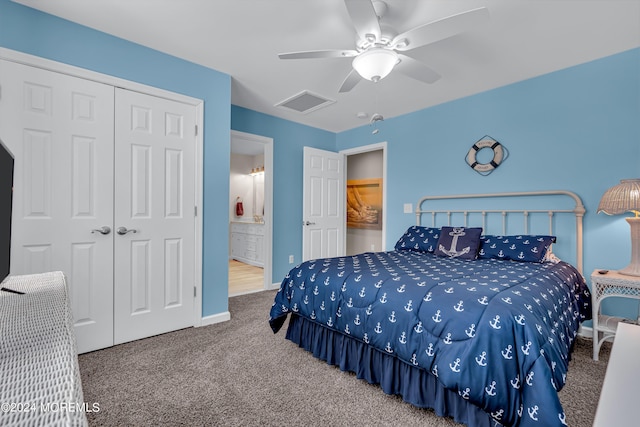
(155,199)
(60,131)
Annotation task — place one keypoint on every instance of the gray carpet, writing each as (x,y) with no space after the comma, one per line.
(238,373)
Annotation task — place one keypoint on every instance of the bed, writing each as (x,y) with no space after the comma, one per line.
(474,325)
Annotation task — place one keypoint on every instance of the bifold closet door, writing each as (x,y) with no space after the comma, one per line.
(154,215)
(104,190)
(60,132)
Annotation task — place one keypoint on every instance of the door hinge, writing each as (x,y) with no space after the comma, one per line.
(195,211)
(194,292)
(196,130)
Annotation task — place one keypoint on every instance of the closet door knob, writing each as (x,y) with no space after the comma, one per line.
(123,230)
(102,230)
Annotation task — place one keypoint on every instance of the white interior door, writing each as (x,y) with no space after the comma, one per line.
(73,187)
(323,204)
(60,131)
(154,215)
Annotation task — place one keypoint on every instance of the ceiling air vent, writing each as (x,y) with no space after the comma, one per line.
(305,102)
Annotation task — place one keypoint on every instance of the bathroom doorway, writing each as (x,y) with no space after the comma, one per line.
(250,201)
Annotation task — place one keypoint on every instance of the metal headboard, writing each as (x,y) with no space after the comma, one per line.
(578,211)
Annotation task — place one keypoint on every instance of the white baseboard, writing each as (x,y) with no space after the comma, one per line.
(215,318)
(225,316)
(585,332)
(274,286)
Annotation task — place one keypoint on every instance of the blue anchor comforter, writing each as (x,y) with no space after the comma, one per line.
(497,332)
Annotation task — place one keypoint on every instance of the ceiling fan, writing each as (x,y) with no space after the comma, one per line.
(379,46)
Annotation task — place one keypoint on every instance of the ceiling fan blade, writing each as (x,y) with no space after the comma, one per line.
(416,69)
(440,29)
(353,78)
(364,19)
(319,54)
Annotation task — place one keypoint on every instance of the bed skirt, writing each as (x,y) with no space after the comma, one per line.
(416,386)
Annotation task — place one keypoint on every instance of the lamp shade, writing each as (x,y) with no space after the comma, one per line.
(376,63)
(624,197)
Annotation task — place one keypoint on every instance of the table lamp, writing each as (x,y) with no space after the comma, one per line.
(625,197)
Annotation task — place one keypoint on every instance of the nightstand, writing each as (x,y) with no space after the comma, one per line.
(611,284)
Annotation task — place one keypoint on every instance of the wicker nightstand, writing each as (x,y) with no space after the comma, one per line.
(611,284)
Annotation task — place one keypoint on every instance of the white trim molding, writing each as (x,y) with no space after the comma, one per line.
(267,143)
(274,286)
(365,149)
(215,318)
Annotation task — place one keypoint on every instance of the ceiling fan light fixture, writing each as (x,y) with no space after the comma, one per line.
(376,63)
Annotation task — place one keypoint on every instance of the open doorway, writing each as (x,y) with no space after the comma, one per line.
(250,201)
(366,198)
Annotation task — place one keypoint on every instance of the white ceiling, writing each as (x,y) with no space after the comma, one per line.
(524,39)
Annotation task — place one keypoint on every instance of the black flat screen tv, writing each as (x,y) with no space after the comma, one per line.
(6,203)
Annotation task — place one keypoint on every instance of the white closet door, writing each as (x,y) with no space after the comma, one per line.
(155,202)
(60,131)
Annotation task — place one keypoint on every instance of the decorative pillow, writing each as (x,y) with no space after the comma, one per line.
(459,242)
(417,238)
(524,248)
(551,257)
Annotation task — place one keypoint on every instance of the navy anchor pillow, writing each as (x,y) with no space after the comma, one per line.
(417,238)
(459,242)
(524,248)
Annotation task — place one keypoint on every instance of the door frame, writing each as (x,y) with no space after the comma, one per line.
(365,149)
(70,70)
(268,202)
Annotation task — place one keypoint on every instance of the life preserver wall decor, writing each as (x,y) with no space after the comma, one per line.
(500,153)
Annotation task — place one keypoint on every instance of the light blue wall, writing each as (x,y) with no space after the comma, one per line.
(577,129)
(289,138)
(29,31)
